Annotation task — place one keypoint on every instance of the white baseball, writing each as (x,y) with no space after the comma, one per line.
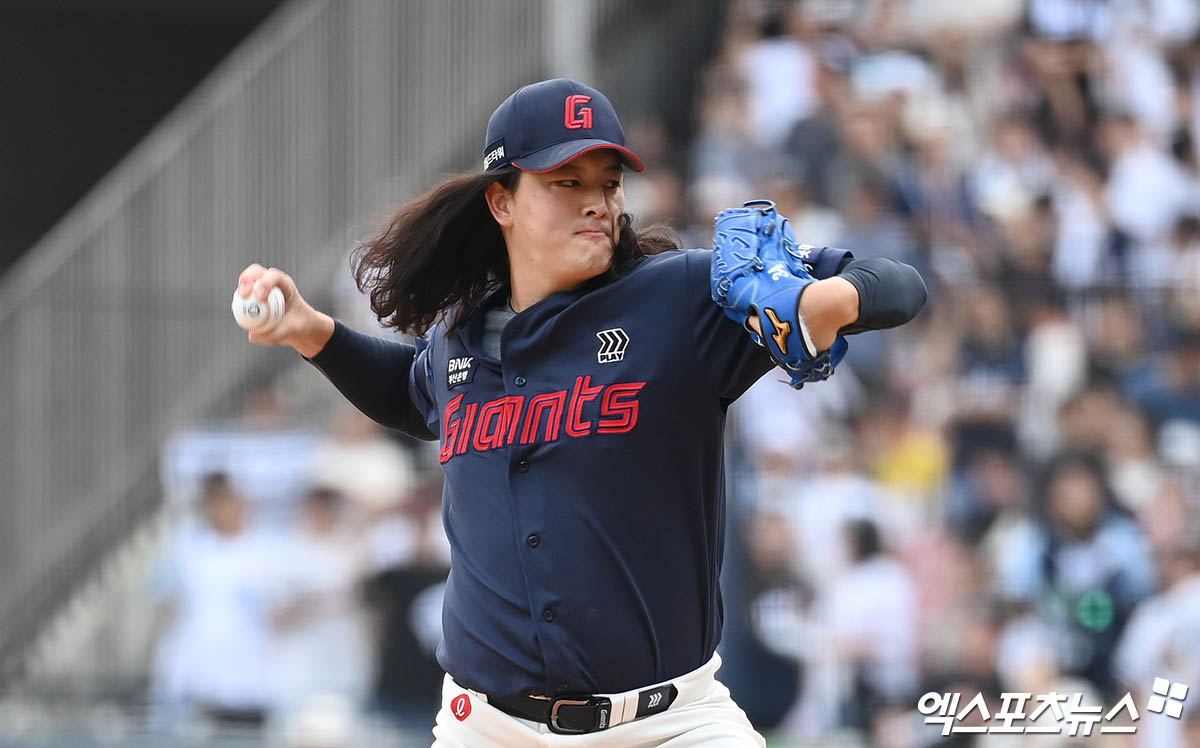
(252,314)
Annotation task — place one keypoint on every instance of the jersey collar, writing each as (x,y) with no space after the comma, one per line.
(471,332)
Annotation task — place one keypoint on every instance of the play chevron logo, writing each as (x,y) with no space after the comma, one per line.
(612,345)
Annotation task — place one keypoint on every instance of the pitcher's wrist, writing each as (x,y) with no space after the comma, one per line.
(826,307)
(314,341)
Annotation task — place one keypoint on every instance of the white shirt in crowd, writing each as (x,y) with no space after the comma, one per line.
(1146,192)
(219,646)
(326,649)
(780,77)
(1162,640)
(870,614)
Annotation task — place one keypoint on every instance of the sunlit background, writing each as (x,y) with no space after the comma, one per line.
(202,544)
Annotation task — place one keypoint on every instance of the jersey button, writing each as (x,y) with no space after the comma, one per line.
(523,466)
(548,615)
(534,541)
(563,687)
(520,381)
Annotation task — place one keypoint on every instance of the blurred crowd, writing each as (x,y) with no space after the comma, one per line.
(299,587)
(1001,496)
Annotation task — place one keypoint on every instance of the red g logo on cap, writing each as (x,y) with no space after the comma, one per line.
(460,707)
(581,118)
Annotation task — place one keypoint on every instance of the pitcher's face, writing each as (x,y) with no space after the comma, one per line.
(564,223)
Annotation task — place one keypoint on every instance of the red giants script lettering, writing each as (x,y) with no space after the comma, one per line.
(498,423)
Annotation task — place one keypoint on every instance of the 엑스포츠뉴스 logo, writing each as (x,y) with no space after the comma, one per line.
(1049,713)
(1167,697)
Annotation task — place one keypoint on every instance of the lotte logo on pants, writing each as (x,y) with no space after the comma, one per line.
(460,706)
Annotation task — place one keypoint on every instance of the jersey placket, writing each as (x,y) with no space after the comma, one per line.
(529,502)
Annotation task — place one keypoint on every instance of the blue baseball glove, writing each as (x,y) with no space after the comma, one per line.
(758,269)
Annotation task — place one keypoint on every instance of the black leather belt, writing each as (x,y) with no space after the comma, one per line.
(577,714)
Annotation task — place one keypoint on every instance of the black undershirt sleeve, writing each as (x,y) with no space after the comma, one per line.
(890,293)
(374,374)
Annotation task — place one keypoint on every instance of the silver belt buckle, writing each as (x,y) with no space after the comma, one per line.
(603,714)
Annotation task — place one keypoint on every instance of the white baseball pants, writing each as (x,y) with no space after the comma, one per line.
(702,715)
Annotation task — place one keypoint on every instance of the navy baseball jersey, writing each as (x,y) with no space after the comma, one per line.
(584,477)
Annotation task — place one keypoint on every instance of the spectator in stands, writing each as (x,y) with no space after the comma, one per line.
(1162,639)
(324,647)
(780,72)
(1013,171)
(216,587)
(1084,417)
(368,468)
(1185,295)
(989,498)
(1120,340)
(1085,567)
(1084,241)
(870,627)
(1130,463)
(812,145)
(1172,389)
(779,611)
(407,557)
(1146,193)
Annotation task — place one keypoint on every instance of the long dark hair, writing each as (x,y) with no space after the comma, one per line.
(442,252)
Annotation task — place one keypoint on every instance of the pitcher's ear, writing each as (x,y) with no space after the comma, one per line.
(499,200)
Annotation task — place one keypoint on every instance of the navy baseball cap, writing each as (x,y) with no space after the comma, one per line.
(544,125)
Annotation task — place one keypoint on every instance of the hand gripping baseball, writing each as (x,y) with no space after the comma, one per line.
(300,326)
(758,272)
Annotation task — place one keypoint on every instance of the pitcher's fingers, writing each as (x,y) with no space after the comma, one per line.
(246,279)
(270,279)
(278,333)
